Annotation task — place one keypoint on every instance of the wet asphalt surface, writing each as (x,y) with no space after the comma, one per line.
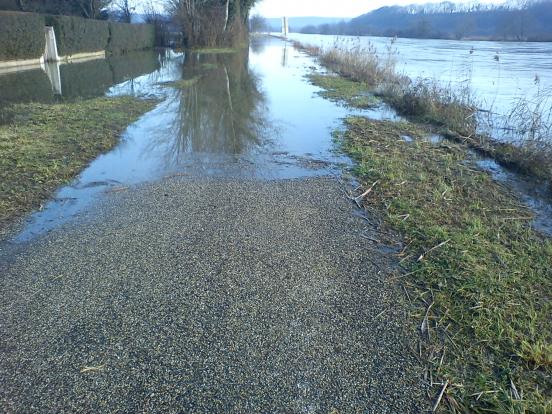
(207,295)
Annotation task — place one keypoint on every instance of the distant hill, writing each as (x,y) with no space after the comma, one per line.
(297,23)
(451,21)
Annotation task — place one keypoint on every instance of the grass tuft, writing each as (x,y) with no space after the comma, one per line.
(337,89)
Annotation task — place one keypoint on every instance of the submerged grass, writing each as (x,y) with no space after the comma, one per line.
(183,83)
(481,274)
(44,146)
(215,50)
(337,89)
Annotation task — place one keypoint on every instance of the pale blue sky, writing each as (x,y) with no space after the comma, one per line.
(330,8)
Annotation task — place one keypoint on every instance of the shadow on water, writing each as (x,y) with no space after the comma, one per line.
(81,80)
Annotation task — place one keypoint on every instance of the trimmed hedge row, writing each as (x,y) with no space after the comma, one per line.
(77,35)
(21,36)
(127,37)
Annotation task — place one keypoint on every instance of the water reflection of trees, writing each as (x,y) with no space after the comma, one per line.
(222,111)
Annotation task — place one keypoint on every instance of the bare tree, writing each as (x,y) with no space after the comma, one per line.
(160,22)
(211,22)
(124,10)
(90,9)
(258,24)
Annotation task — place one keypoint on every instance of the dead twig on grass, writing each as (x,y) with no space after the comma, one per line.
(430,250)
(425,322)
(358,199)
(515,392)
(440,396)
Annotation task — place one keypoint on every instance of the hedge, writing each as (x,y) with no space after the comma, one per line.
(9,5)
(21,36)
(77,35)
(127,37)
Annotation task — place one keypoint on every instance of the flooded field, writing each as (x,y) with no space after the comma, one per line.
(251,114)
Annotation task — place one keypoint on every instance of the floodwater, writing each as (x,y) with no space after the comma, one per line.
(250,114)
(247,115)
(499,74)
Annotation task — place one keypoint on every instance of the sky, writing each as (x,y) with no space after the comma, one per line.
(330,8)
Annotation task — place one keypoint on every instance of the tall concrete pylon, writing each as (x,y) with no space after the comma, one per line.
(285,26)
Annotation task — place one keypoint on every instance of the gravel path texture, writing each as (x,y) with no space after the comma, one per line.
(207,296)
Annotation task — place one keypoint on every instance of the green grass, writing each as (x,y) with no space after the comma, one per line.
(473,259)
(44,146)
(183,83)
(337,89)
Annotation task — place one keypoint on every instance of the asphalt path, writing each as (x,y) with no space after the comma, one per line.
(208,295)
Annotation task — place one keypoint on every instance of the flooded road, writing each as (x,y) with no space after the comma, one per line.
(180,271)
(210,262)
(241,115)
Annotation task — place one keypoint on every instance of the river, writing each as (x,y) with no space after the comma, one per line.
(500,74)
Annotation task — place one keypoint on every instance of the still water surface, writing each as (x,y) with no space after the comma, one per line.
(250,115)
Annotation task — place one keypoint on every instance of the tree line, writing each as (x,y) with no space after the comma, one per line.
(121,10)
(524,21)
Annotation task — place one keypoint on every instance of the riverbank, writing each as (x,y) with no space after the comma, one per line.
(478,271)
(45,145)
(454,112)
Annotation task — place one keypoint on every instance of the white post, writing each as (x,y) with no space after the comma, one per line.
(50,52)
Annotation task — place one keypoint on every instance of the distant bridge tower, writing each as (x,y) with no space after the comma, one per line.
(285,26)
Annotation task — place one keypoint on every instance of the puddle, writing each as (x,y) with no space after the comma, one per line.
(535,195)
(435,139)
